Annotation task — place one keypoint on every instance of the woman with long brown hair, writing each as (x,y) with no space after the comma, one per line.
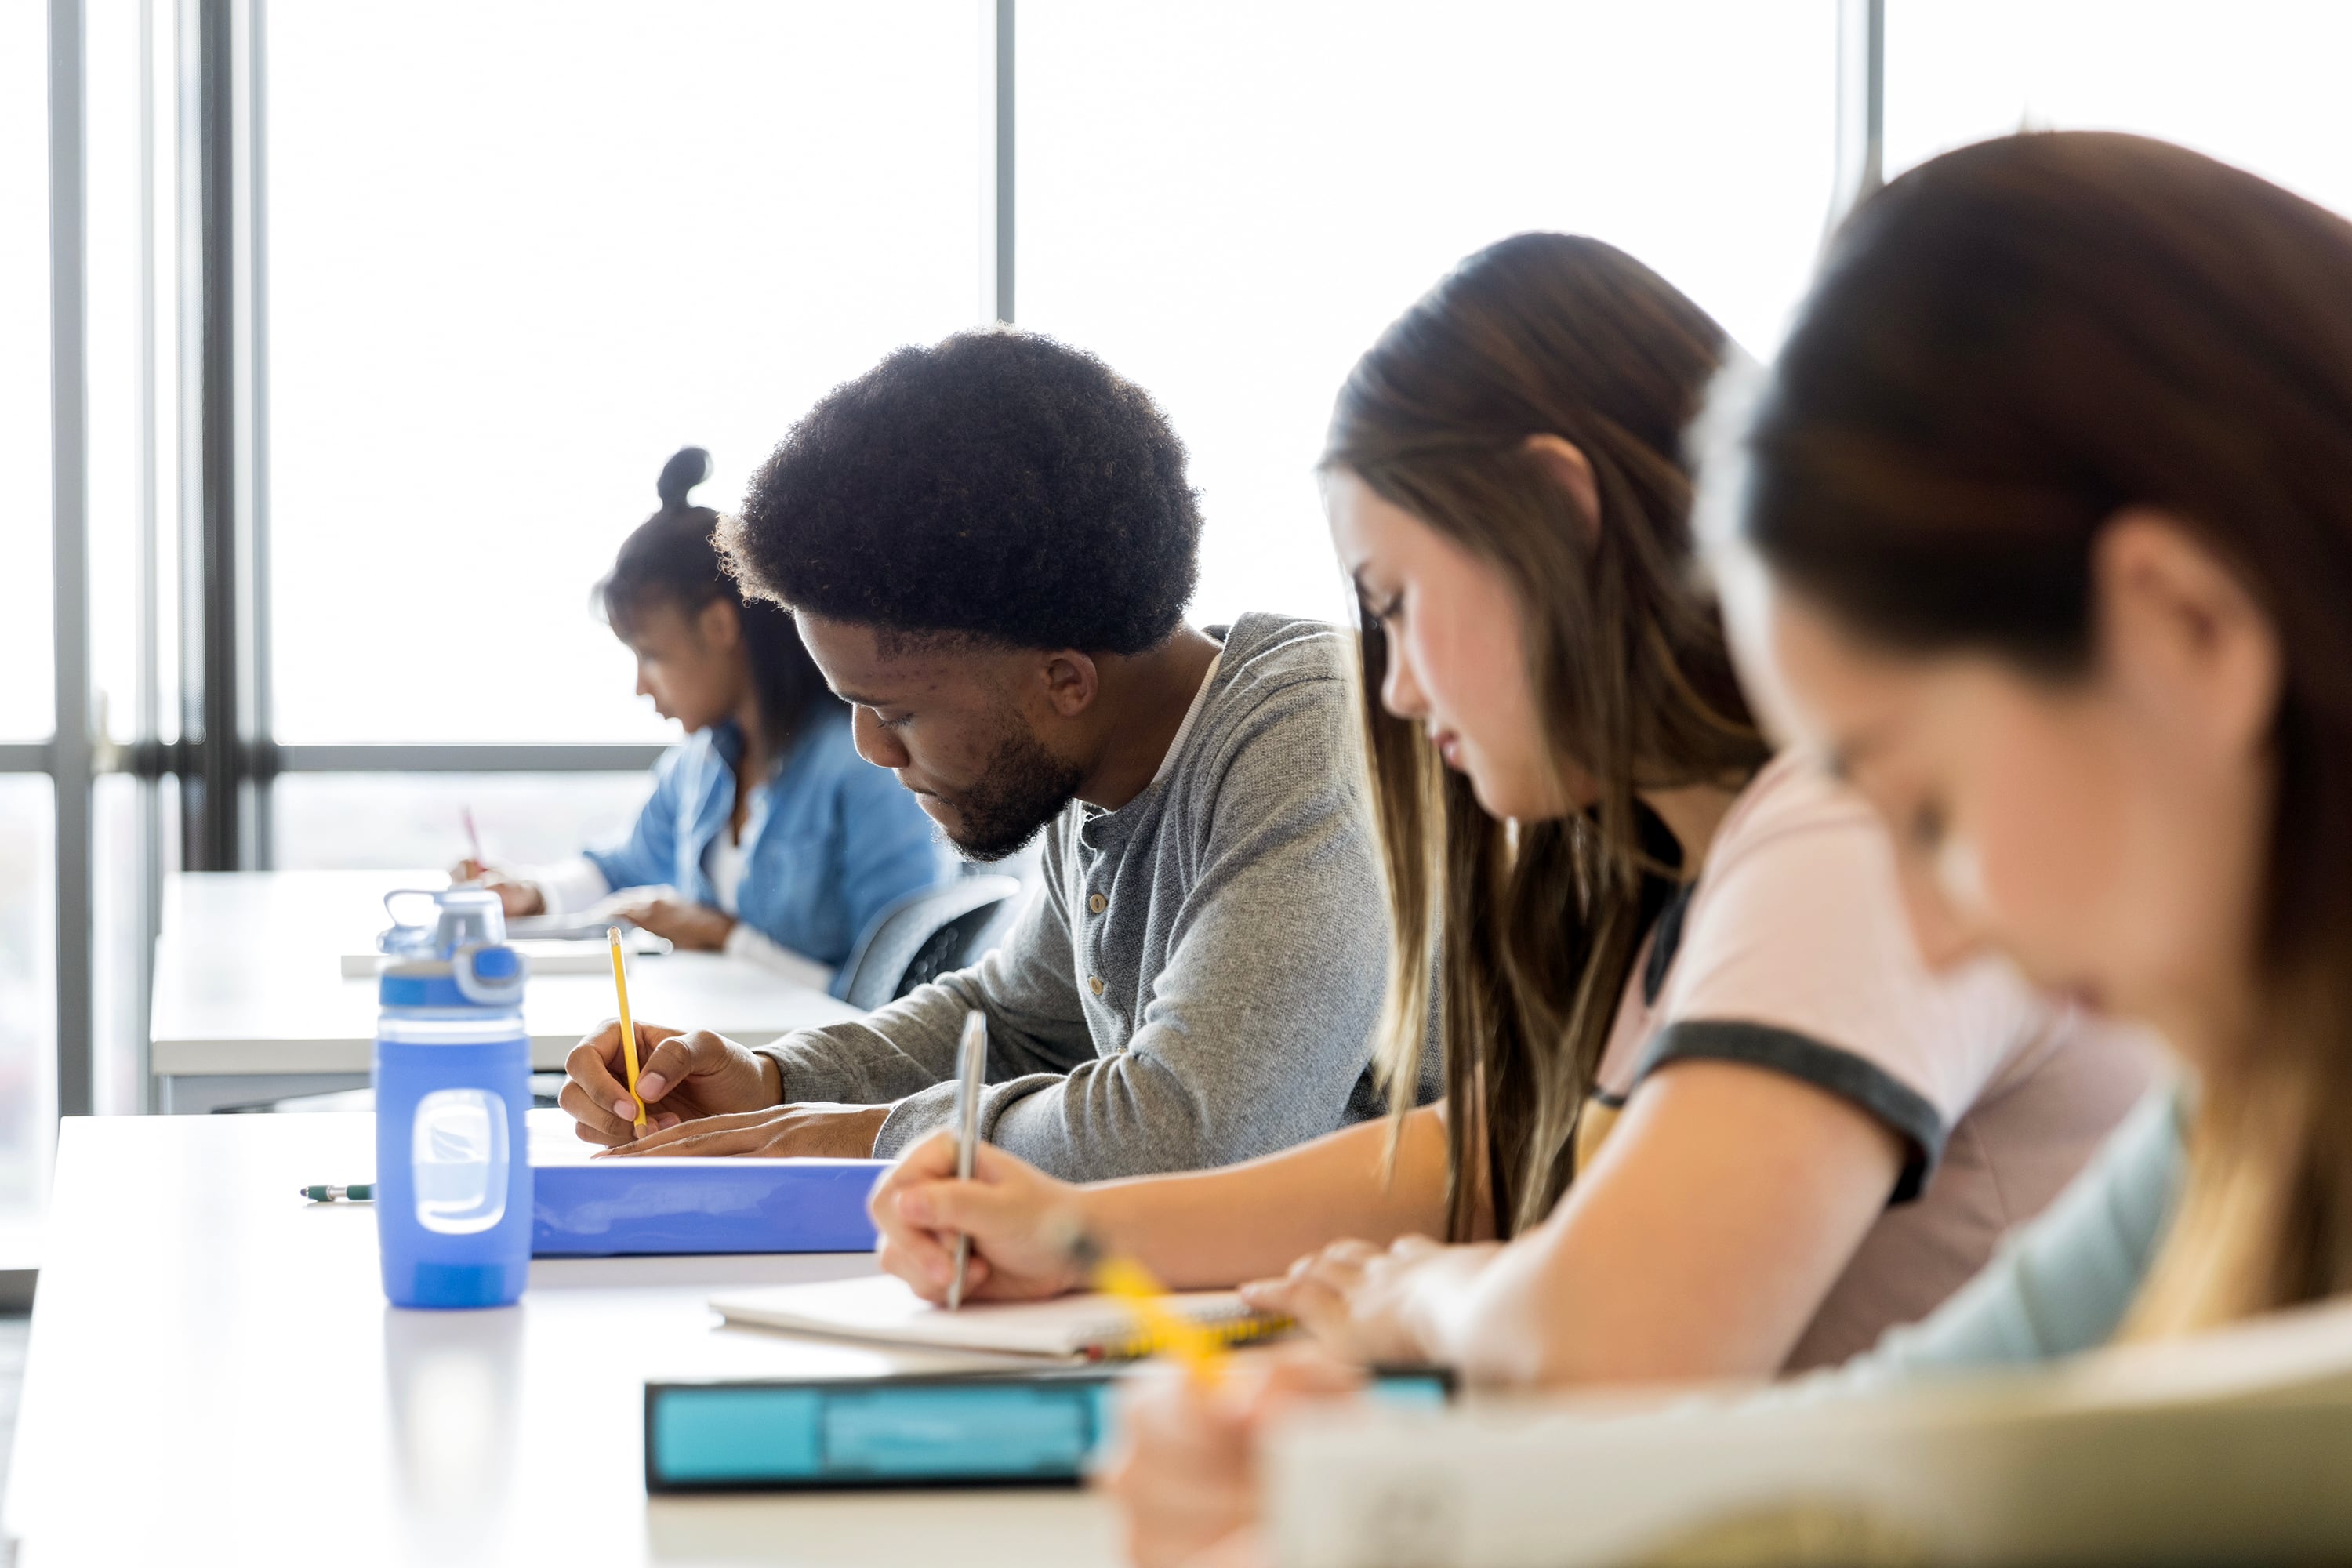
(1705,1109)
(2052,492)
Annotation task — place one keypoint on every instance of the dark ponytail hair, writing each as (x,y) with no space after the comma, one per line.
(671,560)
(2010,345)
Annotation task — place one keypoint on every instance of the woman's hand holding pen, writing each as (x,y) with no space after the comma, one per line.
(1184,1472)
(687,926)
(1016,1216)
(1370,1304)
(682,1075)
(514,896)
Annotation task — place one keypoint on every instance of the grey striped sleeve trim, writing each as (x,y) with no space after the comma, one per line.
(1827,1066)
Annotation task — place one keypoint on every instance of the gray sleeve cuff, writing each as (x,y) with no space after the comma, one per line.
(806,1076)
(924,1113)
(1840,1072)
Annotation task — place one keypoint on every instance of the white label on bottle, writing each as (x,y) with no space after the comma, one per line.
(459,1159)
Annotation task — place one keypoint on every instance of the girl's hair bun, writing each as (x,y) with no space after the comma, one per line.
(689,468)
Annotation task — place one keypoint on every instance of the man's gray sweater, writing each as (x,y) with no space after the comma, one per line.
(1196,979)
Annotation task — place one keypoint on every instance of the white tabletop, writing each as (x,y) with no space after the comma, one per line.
(248,980)
(213,1375)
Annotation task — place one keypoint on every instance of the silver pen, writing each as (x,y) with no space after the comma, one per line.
(972,1068)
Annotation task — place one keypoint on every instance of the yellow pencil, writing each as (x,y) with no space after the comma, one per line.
(1197,1347)
(628,1030)
(1193,1346)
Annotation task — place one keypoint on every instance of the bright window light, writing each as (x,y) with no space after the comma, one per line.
(2259,83)
(518,254)
(1229,200)
(28,695)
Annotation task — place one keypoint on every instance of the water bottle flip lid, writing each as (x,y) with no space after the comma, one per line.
(460,917)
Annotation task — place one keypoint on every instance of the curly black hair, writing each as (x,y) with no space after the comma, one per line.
(997,485)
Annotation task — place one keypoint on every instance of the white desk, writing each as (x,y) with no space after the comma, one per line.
(250,1001)
(213,1375)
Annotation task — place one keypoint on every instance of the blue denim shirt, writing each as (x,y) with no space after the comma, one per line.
(839,842)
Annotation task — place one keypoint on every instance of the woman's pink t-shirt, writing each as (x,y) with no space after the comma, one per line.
(1791,952)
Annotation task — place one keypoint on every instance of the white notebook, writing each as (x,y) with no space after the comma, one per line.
(588,954)
(880,1307)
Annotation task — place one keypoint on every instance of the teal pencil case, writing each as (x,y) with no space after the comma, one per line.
(612,1208)
(1041,1428)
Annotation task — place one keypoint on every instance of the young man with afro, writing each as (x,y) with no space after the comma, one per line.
(988,545)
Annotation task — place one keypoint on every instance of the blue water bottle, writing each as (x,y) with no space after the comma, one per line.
(452,1083)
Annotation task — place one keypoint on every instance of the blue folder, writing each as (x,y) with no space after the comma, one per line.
(608,1208)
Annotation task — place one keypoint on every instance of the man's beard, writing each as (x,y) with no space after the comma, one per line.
(1023,787)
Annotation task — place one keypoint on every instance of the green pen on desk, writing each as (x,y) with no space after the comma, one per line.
(358,1193)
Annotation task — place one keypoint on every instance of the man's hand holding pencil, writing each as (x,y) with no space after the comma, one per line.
(683,1076)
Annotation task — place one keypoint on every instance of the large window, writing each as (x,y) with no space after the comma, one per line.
(28,990)
(403,821)
(26,692)
(1228,200)
(2260,83)
(516,254)
(393,311)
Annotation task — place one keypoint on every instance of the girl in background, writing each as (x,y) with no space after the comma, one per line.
(771,837)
